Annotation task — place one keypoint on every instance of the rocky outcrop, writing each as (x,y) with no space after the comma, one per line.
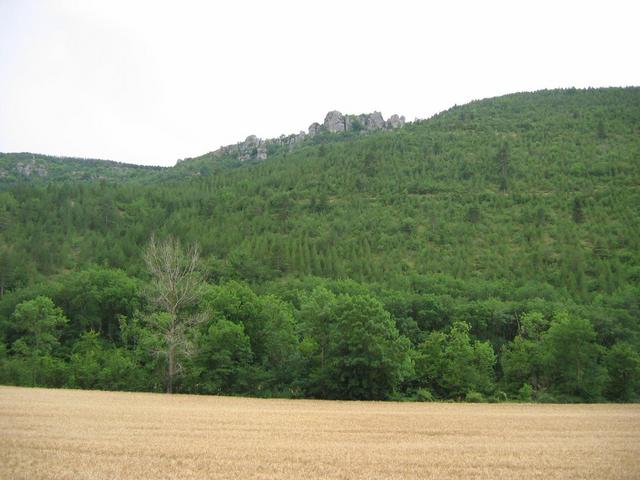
(254,148)
(31,168)
(394,121)
(314,129)
(334,122)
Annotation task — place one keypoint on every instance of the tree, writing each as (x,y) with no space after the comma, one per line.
(316,316)
(7,269)
(175,289)
(98,364)
(623,365)
(522,360)
(601,130)
(469,364)
(224,359)
(94,298)
(502,159)
(577,211)
(368,357)
(473,215)
(572,357)
(454,365)
(268,323)
(40,321)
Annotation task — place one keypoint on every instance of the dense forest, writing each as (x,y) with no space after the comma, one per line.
(489,253)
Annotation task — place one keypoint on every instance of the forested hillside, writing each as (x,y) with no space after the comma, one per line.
(34,169)
(489,252)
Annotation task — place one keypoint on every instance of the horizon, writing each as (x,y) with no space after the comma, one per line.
(110,81)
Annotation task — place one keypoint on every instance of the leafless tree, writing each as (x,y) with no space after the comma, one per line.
(175,289)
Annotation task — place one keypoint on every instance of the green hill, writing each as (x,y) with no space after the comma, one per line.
(480,213)
(35,169)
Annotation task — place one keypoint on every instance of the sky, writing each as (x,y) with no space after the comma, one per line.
(151,82)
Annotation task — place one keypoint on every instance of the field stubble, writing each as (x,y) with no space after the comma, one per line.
(89,434)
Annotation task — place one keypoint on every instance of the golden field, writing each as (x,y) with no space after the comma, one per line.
(88,434)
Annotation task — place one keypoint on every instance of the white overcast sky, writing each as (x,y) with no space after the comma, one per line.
(150,82)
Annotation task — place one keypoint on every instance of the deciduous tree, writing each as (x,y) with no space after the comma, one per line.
(175,288)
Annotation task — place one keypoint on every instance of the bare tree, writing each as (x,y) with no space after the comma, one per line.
(175,289)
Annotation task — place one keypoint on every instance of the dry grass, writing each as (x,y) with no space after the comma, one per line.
(82,434)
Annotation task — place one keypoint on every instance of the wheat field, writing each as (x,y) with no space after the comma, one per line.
(75,434)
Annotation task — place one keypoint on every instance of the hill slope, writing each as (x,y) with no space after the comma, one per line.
(35,169)
(539,186)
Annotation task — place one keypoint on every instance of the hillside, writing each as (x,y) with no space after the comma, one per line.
(523,187)
(35,169)
(521,203)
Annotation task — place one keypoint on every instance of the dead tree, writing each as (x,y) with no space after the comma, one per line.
(175,289)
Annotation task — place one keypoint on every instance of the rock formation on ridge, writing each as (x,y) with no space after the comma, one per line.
(254,148)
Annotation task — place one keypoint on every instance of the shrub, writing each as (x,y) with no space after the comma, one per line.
(424,395)
(498,397)
(544,397)
(474,397)
(525,393)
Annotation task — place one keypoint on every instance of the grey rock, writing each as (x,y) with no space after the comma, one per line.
(251,141)
(314,129)
(395,121)
(254,148)
(261,151)
(31,168)
(374,121)
(334,122)
(300,137)
(366,121)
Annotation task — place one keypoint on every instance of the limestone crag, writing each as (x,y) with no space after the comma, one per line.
(394,121)
(334,122)
(314,129)
(31,167)
(254,148)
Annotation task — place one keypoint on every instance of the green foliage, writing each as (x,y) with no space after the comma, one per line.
(40,322)
(269,324)
(433,203)
(351,348)
(22,168)
(623,366)
(523,360)
(424,395)
(95,298)
(525,393)
(561,356)
(95,364)
(223,361)
(474,397)
(317,324)
(572,358)
(366,357)
(454,365)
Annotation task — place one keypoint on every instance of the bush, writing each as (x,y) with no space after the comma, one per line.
(474,397)
(544,397)
(498,397)
(525,393)
(424,395)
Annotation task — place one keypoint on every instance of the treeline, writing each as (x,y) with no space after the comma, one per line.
(318,338)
